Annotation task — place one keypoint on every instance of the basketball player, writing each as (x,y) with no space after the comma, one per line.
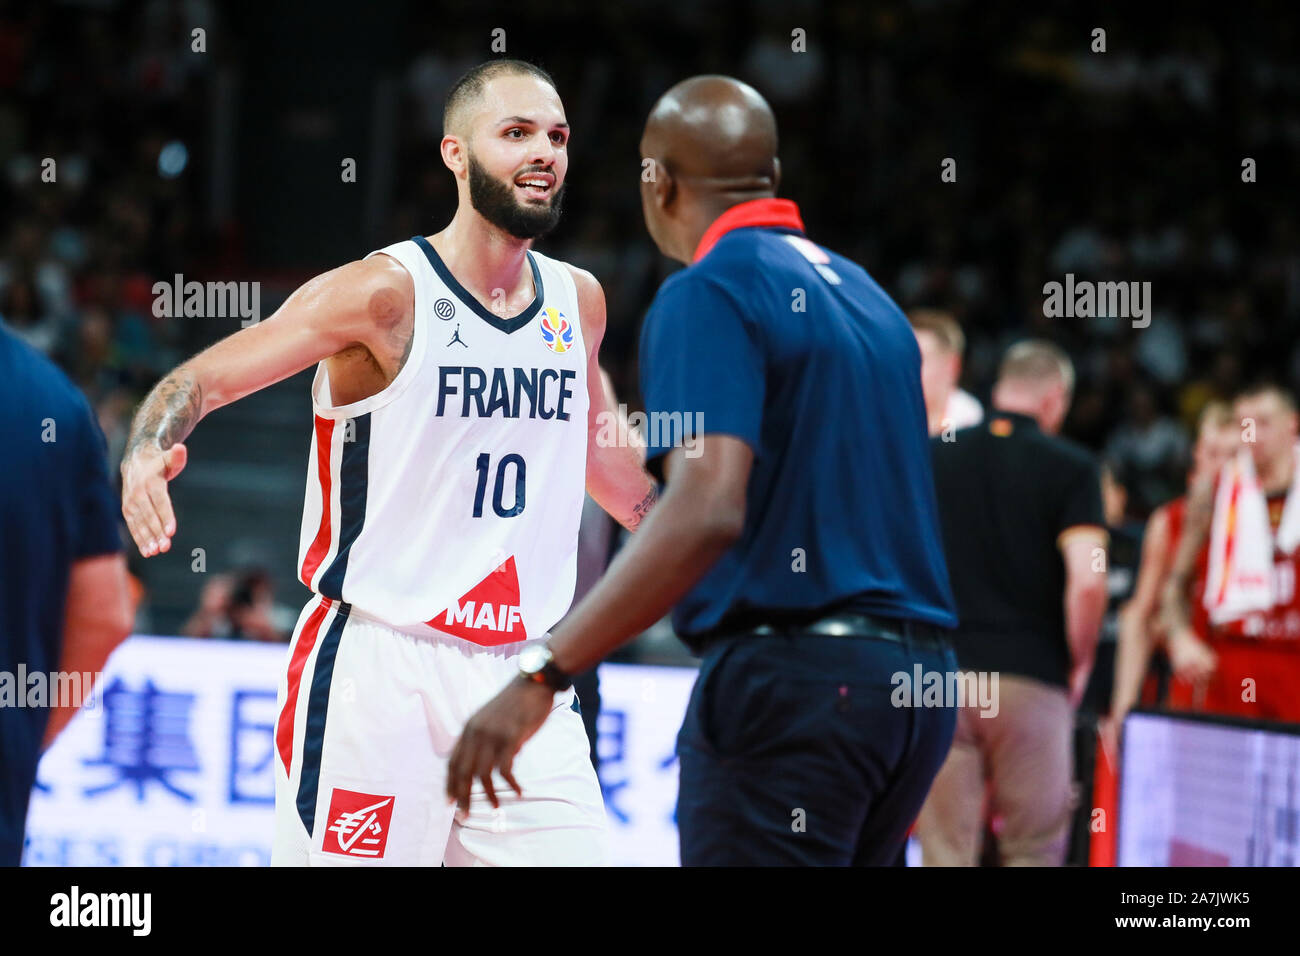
(456,397)
(1248,666)
(1217,439)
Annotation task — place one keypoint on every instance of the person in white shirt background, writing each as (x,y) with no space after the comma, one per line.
(942,343)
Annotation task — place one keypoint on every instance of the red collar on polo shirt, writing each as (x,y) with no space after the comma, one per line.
(757,212)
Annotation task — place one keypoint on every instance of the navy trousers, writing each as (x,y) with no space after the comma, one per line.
(793,754)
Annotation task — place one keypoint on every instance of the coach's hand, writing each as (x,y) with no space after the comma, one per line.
(145,502)
(493,736)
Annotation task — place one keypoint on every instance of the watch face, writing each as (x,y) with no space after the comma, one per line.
(533,659)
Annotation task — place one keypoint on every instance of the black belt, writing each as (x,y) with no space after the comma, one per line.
(898,630)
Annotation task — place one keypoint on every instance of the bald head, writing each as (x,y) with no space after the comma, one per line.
(717,129)
(709,144)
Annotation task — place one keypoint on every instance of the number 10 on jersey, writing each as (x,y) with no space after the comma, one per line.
(484,465)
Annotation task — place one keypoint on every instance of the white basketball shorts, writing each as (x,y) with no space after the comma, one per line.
(368,716)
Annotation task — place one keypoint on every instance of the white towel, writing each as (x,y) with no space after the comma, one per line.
(1239,579)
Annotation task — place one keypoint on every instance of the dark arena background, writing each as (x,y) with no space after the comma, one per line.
(982,161)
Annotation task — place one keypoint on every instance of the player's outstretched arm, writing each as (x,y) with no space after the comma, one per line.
(1175,609)
(1137,625)
(356,304)
(616,475)
(1189,656)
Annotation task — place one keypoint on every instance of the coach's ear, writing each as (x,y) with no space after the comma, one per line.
(453,155)
(776,174)
(663,186)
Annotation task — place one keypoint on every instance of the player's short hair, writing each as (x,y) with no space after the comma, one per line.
(941,325)
(1215,414)
(1269,387)
(1036,362)
(466,91)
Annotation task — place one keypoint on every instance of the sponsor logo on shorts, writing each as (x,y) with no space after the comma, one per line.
(358,824)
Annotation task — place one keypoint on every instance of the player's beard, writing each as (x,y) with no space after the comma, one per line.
(495,201)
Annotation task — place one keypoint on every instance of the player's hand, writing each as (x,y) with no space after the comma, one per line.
(493,736)
(1190,657)
(145,502)
(1109,729)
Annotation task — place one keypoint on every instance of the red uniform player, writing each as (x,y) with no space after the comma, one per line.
(1248,666)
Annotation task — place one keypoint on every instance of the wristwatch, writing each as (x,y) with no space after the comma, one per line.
(537,664)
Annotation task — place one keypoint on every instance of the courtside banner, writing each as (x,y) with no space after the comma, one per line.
(641,710)
(1204,791)
(172,766)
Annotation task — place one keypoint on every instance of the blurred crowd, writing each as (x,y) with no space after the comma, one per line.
(1122,165)
(1125,165)
(95,104)
(240,606)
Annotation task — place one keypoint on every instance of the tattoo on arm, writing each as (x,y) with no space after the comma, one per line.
(169,413)
(642,508)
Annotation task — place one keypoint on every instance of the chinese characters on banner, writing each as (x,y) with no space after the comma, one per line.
(173,767)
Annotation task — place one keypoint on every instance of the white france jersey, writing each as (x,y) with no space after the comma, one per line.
(450,501)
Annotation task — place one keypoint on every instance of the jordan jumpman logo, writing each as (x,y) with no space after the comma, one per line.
(456,338)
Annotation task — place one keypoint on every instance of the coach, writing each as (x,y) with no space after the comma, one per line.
(798,533)
(1025,536)
(63,579)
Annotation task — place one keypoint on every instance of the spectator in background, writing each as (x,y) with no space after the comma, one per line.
(947,407)
(253,609)
(22,311)
(27,255)
(239,607)
(1151,447)
(1220,385)
(1022,523)
(91,358)
(211,617)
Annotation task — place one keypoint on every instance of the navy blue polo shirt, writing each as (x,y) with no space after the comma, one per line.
(798,352)
(56,507)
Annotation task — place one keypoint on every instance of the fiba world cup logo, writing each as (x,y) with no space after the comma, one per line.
(557,331)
